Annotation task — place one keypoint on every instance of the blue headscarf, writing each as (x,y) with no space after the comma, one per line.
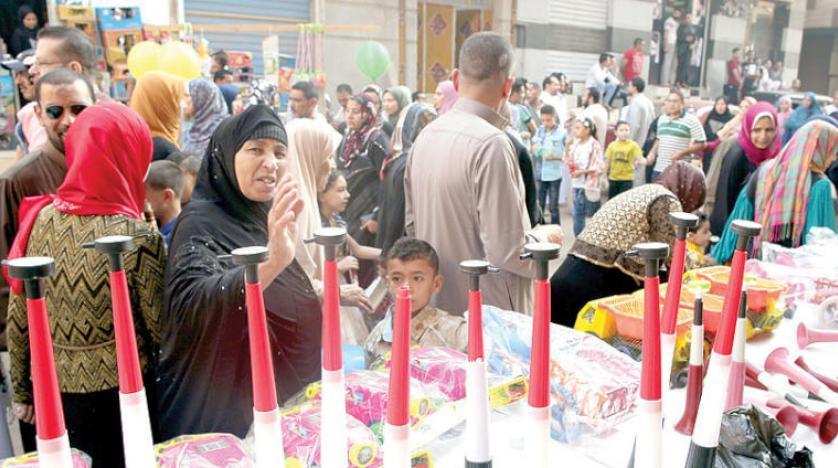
(208,111)
(800,116)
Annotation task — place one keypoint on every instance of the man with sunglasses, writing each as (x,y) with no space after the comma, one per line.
(60,96)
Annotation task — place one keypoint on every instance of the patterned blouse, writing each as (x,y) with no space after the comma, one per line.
(639,215)
(79,301)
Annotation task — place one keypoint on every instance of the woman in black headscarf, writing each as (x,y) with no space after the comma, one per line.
(26,32)
(242,198)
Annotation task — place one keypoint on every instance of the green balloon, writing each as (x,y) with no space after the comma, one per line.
(372,60)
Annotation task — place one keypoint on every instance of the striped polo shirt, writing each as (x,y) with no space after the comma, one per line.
(675,135)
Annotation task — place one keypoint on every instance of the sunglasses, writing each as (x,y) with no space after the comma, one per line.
(55,112)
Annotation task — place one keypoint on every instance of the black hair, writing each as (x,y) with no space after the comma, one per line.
(638,83)
(593,93)
(547,109)
(221,74)
(344,88)
(589,124)
(191,164)
(558,75)
(637,40)
(546,81)
(164,175)
(221,58)
(415,96)
(63,76)
(410,248)
(74,46)
(333,177)
(702,218)
(622,122)
(603,57)
(309,92)
(519,85)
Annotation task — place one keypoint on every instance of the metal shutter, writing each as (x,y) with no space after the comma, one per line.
(574,64)
(583,13)
(248,12)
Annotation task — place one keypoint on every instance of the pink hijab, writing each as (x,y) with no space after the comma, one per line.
(752,116)
(449,96)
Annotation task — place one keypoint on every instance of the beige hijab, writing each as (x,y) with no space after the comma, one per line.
(310,145)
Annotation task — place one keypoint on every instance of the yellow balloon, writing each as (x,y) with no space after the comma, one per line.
(180,59)
(143,58)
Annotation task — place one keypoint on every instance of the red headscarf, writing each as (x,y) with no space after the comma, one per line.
(108,150)
(752,116)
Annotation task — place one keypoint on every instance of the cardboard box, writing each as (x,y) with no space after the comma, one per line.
(119,19)
(87,27)
(76,13)
(117,44)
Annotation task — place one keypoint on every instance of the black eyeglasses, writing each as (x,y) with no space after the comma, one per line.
(55,112)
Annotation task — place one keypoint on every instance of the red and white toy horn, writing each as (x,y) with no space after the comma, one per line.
(778,362)
(824,423)
(695,371)
(828,381)
(807,336)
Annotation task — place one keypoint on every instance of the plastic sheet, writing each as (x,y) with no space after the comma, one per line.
(203,451)
(30,460)
(301,431)
(751,439)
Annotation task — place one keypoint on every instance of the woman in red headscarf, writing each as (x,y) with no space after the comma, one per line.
(108,152)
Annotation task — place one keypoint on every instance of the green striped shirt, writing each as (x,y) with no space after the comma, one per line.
(675,135)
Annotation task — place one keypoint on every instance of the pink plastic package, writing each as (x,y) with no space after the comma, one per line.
(440,368)
(301,433)
(30,460)
(203,451)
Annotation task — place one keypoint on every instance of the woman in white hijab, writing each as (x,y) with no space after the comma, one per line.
(311,146)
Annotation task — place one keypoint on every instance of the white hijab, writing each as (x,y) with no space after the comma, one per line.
(310,144)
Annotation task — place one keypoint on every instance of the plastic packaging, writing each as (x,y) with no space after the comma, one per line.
(203,451)
(30,460)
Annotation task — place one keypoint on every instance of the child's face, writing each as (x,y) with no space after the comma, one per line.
(549,121)
(623,132)
(188,187)
(418,276)
(701,237)
(336,197)
(160,200)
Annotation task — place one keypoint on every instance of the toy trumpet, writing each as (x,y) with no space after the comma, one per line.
(539,385)
(828,381)
(267,424)
(133,404)
(807,336)
(758,378)
(52,441)
(333,400)
(477,389)
(708,423)
(784,413)
(682,222)
(695,371)
(397,429)
(824,423)
(648,445)
(736,383)
(778,362)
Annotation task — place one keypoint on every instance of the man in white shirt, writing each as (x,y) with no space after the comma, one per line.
(303,102)
(601,78)
(553,95)
(670,39)
(595,111)
(680,135)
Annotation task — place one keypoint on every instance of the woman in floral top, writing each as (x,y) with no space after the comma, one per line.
(584,157)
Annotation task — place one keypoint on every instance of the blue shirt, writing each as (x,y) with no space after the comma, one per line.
(166,231)
(550,144)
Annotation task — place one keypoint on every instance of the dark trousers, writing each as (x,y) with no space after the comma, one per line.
(577,282)
(731,93)
(684,58)
(551,188)
(616,187)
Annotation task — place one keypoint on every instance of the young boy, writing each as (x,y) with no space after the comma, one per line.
(163,189)
(189,165)
(698,239)
(620,159)
(415,263)
(548,145)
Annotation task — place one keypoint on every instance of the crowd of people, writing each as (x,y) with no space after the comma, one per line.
(476,172)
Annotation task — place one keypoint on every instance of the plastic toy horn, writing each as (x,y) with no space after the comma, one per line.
(778,363)
(828,381)
(267,424)
(397,429)
(824,423)
(539,389)
(53,444)
(736,383)
(477,389)
(333,399)
(133,404)
(695,371)
(682,222)
(807,336)
(708,423)
(756,377)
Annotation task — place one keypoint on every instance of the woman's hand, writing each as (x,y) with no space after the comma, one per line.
(282,230)
(371,226)
(347,263)
(351,295)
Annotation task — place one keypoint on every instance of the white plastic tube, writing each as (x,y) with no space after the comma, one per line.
(649,434)
(396,446)
(55,453)
(538,437)
(136,430)
(267,431)
(667,352)
(708,423)
(333,447)
(477,412)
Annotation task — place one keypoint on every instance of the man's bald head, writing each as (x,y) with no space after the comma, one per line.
(486,56)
